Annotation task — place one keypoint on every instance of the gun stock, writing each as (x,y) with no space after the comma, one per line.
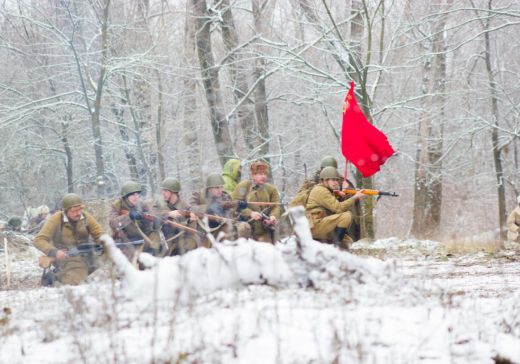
(369,192)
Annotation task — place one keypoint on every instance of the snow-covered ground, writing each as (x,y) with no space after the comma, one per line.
(391,301)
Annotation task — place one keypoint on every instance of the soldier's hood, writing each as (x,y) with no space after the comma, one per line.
(231,169)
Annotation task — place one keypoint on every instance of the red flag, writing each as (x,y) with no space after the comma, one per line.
(361,142)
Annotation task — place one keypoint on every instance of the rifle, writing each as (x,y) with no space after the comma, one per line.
(201,215)
(151,217)
(265,218)
(353,191)
(81,249)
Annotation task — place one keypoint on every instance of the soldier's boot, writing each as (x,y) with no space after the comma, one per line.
(339,234)
(48,277)
(346,242)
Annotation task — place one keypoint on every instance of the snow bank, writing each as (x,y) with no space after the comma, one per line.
(202,271)
(301,261)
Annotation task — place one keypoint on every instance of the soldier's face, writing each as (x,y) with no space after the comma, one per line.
(169,196)
(133,199)
(333,184)
(215,191)
(74,213)
(260,178)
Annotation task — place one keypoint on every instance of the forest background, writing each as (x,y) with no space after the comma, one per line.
(96,92)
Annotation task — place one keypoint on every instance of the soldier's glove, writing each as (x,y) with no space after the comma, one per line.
(135,215)
(242,204)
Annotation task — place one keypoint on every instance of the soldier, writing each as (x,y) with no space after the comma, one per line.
(262,219)
(14,224)
(231,174)
(300,199)
(129,221)
(216,203)
(513,222)
(179,240)
(37,221)
(329,218)
(63,231)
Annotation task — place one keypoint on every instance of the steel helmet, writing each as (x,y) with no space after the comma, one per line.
(130,187)
(171,184)
(214,180)
(70,200)
(329,173)
(15,222)
(329,161)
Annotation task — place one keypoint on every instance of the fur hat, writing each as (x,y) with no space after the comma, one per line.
(259,167)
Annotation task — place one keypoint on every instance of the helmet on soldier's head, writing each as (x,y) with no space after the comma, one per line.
(329,161)
(329,173)
(70,200)
(130,187)
(14,222)
(214,180)
(171,184)
(259,166)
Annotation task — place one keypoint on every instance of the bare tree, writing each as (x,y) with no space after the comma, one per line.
(430,136)
(238,72)
(210,79)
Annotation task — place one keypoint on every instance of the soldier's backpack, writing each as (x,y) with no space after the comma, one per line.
(301,197)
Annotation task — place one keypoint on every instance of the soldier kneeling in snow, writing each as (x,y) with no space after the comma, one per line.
(513,223)
(329,218)
(60,234)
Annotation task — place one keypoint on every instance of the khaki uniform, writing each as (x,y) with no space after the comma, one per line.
(513,224)
(125,229)
(179,241)
(58,233)
(326,213)
(248,191)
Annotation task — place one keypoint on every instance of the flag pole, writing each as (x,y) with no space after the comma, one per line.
(345,173)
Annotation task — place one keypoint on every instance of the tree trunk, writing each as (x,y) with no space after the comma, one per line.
(356,35)
(123,131)
(159,129)
(262,115)
(190,116)
(428,166)
(497,155)
(95,116)
(210,78)
(68,154)
(139,139)
(244,112)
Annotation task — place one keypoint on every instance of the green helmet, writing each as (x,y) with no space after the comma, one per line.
(329,161)
(171,184)
(70,200)
(130,187)
(214,180)
(15,222)
(330,173)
